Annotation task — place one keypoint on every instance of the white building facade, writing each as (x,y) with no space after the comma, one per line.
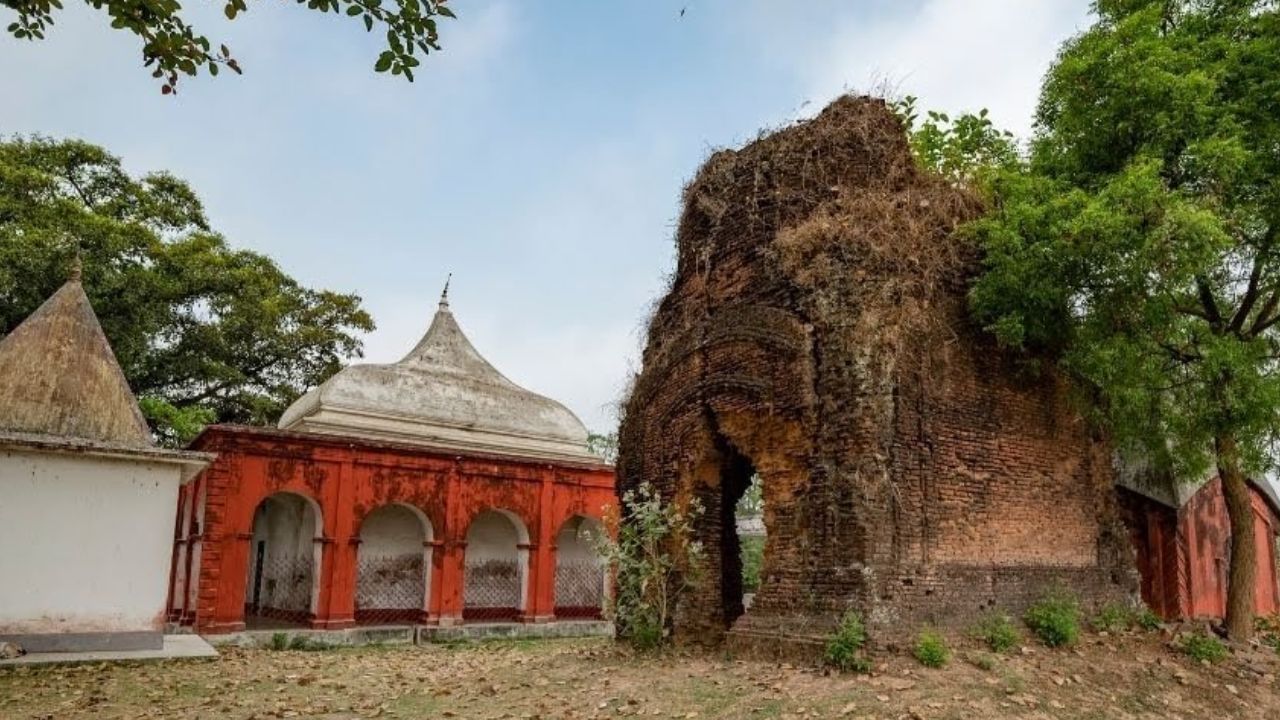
(86,499)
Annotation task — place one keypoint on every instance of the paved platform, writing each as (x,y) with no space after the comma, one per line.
(175,646)
(303,638)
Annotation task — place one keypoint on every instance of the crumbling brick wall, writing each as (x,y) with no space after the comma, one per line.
(815,333)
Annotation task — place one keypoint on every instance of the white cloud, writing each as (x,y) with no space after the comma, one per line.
(955,55)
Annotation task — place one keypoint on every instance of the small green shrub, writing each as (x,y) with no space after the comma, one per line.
(999,633)
(983,662)
(279,641)
(1055,620)
(651,546)
(844,647)
(931,649)
(1147,620)
(1201,647)
(645,632)
(1112,618)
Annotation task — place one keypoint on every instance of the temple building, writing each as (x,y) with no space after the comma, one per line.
(86,499)
(428,491)
(1182,535)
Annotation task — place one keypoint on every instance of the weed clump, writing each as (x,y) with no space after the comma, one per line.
(1147,620)
(1203,647)
(998,633)
(1055,619)
(931,649)
(845,646)
(1112,618)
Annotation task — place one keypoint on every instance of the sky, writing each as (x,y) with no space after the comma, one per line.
(539,157)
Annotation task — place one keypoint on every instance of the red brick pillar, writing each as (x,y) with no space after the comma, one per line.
(224,562)
(449,557)
(541,601)
(337,602)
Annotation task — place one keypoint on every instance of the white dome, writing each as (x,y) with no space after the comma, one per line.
(442,394)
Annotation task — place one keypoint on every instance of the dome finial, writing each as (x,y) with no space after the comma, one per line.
(444,296)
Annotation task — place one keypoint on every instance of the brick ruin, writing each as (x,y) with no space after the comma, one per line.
(816,333)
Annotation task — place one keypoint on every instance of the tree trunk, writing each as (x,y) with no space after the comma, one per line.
(1243,570)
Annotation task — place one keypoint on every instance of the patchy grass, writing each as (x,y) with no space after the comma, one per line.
(1132,676)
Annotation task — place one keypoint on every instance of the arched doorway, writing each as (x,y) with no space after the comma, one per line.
(283,560)
(392,565)
(497,563)
(581,575)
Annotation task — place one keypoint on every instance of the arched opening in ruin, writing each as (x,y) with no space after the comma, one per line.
(581,577)
(392,565)
(284,559)
(749,525)
(736,475)
(497,567)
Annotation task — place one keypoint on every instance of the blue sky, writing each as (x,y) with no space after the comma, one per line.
(539,157)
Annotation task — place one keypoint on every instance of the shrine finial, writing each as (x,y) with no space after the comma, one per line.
(444,296)
(77,268)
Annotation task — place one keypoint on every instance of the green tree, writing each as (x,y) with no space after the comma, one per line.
(603,445)
(171,46)
(203,332)
(1138,244)
(963,150)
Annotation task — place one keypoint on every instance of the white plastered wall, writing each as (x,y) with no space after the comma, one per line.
(394,558)
(581,580)
(575,542)
(85,542)
(495,537)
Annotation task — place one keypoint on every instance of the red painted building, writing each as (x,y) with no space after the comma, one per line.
(1183,544)
(428,491)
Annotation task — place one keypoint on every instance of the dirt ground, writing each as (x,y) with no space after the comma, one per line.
(1117,677)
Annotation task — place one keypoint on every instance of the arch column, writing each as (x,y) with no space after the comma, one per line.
(448,561)
(336,603)
(448,584)
(228,615)
(540,603)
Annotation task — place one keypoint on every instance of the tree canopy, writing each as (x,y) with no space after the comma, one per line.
(171,47)
(204,332)
(1137,243)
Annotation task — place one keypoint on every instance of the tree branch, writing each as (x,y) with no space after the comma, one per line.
(1267,315)
(1212,314)
(1250,294)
